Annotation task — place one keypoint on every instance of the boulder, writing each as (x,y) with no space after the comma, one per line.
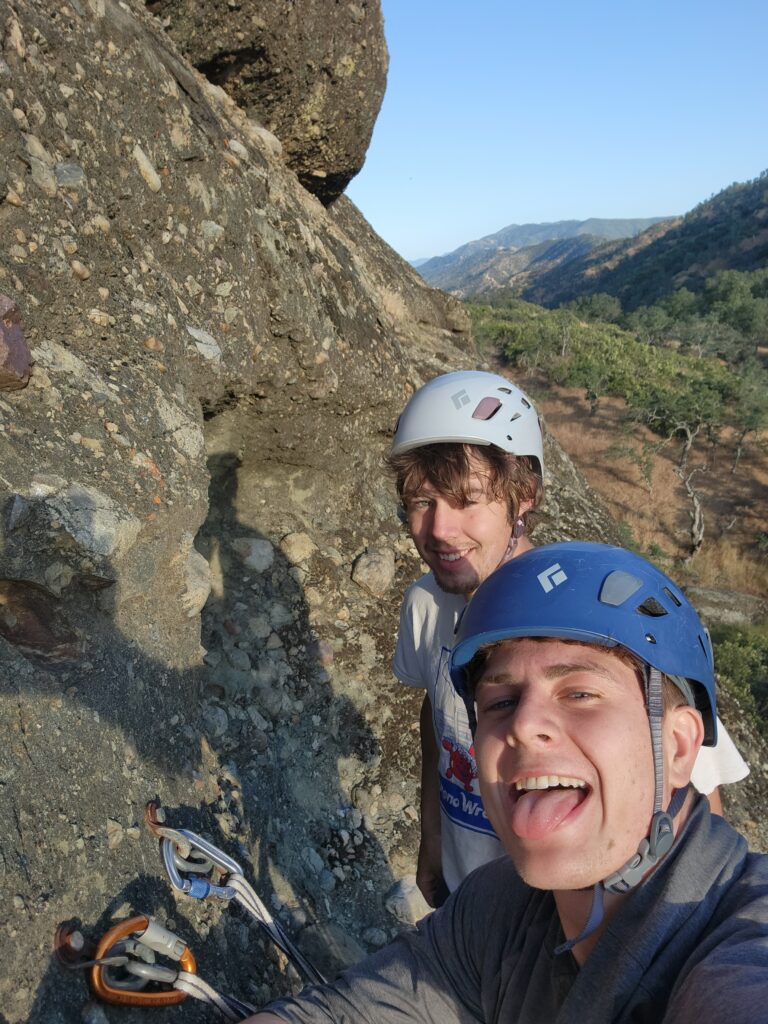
(313,74)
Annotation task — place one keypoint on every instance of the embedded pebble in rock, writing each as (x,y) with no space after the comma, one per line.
(256,553)
(205,344)
(146,169)
(69,175)
(233,681)
(297,547)
(313,859)
(374,571)
(80,270)
(269,700)
(259,741)
(211,231)
(259,627)
(216,720)
(115,834)
(327,880)
(258,720)
(375,937)
(279,615)
(239,659)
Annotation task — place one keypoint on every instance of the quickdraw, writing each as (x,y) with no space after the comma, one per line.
(123,964)
(186,853)
(124,970)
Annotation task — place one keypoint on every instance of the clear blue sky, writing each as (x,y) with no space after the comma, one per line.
(513,111)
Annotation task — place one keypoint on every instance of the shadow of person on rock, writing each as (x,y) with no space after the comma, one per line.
(243,749)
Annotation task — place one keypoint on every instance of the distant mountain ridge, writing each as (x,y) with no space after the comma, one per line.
(729,231)
(486,262)
(636,261)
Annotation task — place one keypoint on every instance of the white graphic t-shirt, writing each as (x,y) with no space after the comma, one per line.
(428,618)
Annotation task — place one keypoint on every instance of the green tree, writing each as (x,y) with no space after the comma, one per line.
(751,407)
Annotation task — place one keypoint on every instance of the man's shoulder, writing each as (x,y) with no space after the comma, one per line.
(426,593)
(726,979)
(424,588)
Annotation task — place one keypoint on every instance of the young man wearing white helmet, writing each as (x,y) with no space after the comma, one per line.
(623,899)
(468,460)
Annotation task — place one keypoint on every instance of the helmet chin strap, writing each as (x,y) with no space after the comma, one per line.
(661,834)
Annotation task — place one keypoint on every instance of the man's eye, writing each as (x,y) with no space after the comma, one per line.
(489,705)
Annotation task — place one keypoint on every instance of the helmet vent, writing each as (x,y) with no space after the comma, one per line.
(707,651)
(515,417)
(486,408)
(672,597)
(505,391)
(650,638)
(618,587)
(651,606)
(526,403)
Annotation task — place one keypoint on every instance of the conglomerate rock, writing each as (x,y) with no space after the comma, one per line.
(313,73)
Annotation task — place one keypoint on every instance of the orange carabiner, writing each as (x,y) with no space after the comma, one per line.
(126,997)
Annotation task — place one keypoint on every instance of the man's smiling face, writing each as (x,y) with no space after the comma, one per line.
(461,543)
(564,755)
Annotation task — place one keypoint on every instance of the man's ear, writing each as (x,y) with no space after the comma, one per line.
(684,734)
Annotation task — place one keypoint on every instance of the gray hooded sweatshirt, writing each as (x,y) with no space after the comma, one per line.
(689,946)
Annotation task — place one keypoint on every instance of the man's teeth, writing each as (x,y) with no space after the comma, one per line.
(454,556)
(549,781)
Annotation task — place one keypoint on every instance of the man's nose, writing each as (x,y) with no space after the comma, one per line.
(445,520)
(534,721)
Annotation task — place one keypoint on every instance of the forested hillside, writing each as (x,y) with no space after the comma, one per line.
(726,232)
(692,392)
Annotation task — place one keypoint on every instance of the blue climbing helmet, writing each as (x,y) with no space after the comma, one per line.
(600,595)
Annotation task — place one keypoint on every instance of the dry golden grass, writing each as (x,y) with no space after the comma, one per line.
(725,565)
(637,478)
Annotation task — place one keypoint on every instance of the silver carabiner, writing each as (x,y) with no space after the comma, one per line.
(197,887)
(219,858)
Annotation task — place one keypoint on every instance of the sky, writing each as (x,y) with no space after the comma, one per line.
(505,112)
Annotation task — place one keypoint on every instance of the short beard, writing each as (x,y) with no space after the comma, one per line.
(454,586)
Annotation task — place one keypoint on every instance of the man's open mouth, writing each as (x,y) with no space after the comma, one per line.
(550,782)
(540,803)
(452,556)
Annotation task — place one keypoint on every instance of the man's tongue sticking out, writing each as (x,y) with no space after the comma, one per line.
(539,811)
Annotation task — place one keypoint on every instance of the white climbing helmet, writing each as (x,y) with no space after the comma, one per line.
(470,407)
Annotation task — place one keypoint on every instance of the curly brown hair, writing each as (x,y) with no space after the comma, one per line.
(450,466)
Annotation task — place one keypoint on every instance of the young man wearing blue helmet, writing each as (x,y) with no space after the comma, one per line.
(623,899)
(468,460)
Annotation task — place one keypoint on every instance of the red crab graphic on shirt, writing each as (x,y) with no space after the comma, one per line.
(462,764)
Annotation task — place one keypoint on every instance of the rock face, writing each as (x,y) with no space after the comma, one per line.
(186,484)
(312,73)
